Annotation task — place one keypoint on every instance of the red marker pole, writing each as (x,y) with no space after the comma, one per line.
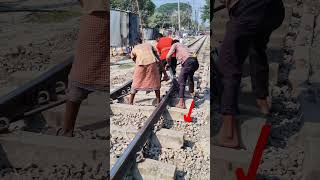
(189,118)
(257,155)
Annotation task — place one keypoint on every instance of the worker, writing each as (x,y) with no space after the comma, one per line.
(146,75)
(163,47)
(248,31)
(90,67)
(189,66)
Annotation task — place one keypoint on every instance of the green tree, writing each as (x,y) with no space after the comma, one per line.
(206,11)
(170,8)
(146,7)
(171,11)
(159,20)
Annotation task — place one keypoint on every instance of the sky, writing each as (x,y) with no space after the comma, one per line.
(198,4)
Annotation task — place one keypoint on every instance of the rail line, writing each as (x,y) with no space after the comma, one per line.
(37,105)
(128,158)
(125,88)
(39,94)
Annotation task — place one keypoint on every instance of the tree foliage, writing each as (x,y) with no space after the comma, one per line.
(159,20)
(170,8)
(146,7)
(167,15)
(206,11)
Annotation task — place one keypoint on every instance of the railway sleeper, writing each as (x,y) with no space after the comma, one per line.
(311,160)
(21,77)
(171,113)
(46,151)
(87,115)
(150,169)
(164,138)
(151,101)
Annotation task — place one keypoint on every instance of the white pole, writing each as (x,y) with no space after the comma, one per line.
(179,15)
(198,20)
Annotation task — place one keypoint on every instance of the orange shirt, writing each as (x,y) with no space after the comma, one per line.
(164,46)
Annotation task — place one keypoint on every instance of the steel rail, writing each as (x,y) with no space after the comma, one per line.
(126,160)
(128,157)
(23,101)
(125,88)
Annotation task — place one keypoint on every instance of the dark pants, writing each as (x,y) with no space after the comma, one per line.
(187,71)
(247,33)
(172,64)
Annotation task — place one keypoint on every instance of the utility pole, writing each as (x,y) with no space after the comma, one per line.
(141,22)
(198,19)
(195,14)
(179,15)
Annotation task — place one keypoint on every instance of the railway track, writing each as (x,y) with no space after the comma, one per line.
(39,94)
(124,89)
(150,135)
(29,117)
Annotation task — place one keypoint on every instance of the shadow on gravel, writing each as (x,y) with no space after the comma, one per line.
(166,122)
(188,143)
(180,175)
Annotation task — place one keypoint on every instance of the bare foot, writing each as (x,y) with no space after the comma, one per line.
(156,102)
(67,133)
(228,135)
(224,141)
(181,104)
(62,132)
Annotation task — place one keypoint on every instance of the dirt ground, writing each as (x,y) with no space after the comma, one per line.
(36,40)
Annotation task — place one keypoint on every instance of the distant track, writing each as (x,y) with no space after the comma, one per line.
(128,157)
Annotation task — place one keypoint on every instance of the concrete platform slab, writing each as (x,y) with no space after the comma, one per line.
(250,132)
(175,114)
(167,138)
(126,108)
(128,131)
(154,170)
(96,99)
(87,115)
(226,160)
(21,77)
(172,113)
(309,130)
(23,148)
(311,169)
